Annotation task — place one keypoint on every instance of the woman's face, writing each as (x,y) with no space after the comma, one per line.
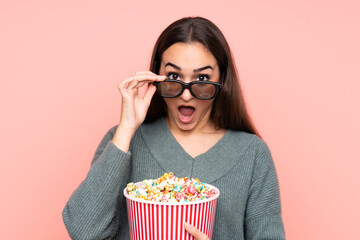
(189,62)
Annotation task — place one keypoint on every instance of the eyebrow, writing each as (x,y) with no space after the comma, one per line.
(195,70)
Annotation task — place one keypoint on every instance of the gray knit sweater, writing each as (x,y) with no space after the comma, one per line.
(240,165)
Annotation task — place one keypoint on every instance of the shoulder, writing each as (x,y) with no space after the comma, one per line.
(250,147)
(240,138)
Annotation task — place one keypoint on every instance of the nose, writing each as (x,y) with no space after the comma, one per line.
(186,95)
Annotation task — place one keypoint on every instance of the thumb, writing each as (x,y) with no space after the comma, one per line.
(193,231)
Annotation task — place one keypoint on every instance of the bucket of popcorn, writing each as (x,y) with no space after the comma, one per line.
(158,208)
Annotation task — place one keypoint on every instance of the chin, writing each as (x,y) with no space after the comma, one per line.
(185,126)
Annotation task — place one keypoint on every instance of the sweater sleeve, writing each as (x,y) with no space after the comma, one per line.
(94,208)
(263,211)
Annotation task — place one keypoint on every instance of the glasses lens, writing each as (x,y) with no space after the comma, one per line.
(169,89)
(203,90)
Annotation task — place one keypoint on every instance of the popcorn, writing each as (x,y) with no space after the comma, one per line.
(169,188)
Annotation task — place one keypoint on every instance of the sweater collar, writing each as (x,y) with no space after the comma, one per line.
(208,167)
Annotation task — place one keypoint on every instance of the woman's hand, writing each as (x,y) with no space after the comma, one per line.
(134,107)
(195,232)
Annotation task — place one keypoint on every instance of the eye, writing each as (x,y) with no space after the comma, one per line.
(173,75)
(203,77)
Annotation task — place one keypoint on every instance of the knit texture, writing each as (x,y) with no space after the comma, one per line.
(239,164)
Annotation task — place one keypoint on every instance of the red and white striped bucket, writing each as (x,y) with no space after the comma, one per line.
(165,220)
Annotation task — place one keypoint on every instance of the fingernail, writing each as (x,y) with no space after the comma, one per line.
(187,225)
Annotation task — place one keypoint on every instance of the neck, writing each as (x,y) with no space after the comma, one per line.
(204,127)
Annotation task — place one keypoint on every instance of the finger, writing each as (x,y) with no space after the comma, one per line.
(158,79)
(140,84)
(193,231)
(144,72)
(137,84)
(149,77)
(147,73)
(124,83)
(141,80)
(133,82)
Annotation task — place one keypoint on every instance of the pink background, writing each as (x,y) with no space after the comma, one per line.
(61,61)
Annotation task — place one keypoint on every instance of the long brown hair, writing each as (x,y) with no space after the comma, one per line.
(229,108)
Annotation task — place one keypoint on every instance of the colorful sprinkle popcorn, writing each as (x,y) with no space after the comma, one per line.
(169,188)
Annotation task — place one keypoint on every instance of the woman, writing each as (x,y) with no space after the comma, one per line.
(195,126)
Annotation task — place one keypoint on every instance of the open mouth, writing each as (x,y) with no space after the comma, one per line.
(186,113)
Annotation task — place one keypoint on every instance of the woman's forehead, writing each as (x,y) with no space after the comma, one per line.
(188,56)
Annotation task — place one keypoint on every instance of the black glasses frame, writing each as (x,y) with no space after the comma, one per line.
(188,86)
